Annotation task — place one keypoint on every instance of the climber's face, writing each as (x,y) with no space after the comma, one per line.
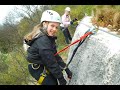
(67,12)
(52,28)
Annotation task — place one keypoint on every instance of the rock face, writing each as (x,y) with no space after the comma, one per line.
(97,60)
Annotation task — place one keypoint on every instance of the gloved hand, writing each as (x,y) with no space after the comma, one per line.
(62,81)
(69,73)
(74,20)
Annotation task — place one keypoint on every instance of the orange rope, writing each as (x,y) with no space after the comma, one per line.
(81,38)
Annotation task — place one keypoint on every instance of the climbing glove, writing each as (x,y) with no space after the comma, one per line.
(74,20)
(62,81)
(69,73)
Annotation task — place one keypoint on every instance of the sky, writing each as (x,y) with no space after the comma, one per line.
(4,10)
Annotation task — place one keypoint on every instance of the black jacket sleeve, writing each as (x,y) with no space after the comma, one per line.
(60,61)
(47,56)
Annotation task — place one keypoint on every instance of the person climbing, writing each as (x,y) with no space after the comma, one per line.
(43,65)
(66,22)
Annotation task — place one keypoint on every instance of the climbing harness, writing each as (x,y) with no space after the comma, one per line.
(35,66)
(42,76)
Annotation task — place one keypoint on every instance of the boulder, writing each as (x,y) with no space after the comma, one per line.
(97,60)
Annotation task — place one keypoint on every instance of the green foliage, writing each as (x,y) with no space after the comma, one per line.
(23,27)
(17,72)
(3,65)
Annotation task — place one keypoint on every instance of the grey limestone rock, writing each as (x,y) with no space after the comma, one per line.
(97,60)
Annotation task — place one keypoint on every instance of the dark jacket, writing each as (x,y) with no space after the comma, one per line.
(41,51)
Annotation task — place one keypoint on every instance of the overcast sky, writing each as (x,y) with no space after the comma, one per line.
(4,10)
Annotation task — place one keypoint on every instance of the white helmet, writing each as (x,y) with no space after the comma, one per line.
(50,15)
(67,8)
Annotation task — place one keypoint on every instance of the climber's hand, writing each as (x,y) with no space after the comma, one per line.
(73,21)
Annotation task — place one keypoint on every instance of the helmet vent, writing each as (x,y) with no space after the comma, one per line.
(50,13)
